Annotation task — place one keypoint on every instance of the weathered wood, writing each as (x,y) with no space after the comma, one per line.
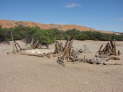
(68,54)
(109,49)
(58,47)
(16,47)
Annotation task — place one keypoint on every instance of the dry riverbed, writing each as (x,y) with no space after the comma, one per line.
(21,73)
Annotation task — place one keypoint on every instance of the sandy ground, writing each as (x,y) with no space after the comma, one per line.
(20,73)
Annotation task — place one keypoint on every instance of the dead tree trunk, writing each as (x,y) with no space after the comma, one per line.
(68,54)
(16,47)
(58,47)
(109,49)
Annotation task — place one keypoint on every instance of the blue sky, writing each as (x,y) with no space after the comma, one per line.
(98,14)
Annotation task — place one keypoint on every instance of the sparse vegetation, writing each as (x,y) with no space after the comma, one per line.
(49,36)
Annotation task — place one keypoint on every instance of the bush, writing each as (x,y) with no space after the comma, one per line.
(49,36)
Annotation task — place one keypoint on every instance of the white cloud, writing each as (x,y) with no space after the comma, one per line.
(72,5)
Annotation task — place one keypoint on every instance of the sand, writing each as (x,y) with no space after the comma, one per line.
(20,73)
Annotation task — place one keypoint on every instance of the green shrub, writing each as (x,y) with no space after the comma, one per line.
(49,36)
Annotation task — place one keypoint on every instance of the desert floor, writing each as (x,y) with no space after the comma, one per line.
(20,73)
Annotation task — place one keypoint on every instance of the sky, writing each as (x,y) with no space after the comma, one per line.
(98,14)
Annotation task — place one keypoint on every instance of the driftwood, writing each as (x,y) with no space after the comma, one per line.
(105,55)
(37,52)
(109,49)
(58,47)
(36,44)
(108,53)
(68,53)
(15,45)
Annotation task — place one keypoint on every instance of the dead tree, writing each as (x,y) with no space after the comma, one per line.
(15,45)
(58,47)
(109,49)
(68,53)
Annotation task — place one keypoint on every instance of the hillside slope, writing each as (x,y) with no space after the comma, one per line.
(11,24)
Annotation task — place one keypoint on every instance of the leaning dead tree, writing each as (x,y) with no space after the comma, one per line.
(107,53)
(109,49)
(16,47)
(68,53)
(58,47)
(36,43)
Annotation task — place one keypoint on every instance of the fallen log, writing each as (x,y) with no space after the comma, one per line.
(37,52)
